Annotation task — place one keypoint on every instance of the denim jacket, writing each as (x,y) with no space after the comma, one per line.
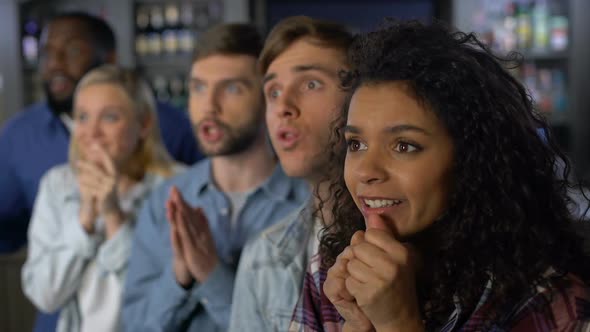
(60,250)
(270,275)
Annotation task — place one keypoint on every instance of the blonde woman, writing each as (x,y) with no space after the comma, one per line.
(82,223)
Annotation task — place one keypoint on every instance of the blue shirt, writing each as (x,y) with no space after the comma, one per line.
(153,300)
(35,140)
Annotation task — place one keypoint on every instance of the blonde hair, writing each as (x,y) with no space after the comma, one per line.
(150,155)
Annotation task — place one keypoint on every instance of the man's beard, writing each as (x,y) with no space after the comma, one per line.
(58,107)
(65,106)
(235,140)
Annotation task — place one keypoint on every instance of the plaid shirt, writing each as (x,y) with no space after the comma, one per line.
(314,312)
(566,307)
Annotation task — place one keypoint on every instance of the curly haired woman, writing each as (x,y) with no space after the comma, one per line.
(449,214)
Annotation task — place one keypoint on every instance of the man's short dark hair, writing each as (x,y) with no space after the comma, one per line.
(229,39)
(98,30)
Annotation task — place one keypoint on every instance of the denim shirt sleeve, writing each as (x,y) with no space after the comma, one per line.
(215,294)
(153,299)
(58,251)
(151,295)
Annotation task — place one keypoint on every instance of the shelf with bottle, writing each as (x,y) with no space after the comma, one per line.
(544,55)
(170,88)
(538,29)
(173,62)
(548,88)
(166,32)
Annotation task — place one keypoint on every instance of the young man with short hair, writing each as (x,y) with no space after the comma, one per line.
(301,62)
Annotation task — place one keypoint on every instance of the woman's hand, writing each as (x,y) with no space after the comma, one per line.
(382,279)
(98,181)
(336,292)
(88,210)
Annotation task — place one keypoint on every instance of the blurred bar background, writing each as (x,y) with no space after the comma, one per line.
(158,37)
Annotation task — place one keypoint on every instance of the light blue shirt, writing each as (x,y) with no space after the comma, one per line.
(153,300)
(60,250)
(270,275)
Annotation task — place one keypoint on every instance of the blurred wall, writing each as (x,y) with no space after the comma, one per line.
(10,76)
(359,15)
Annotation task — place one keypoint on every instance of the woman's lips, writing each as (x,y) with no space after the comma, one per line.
(379,205)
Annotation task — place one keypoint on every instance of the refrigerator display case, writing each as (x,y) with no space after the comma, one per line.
(550,36)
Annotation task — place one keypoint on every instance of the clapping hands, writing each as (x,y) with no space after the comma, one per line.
(195,255)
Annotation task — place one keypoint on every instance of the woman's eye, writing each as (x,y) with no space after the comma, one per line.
(313,85)
(404,147)
(111,117)
(81,117)
(355,145)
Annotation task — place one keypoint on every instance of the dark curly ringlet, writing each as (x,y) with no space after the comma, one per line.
(507,216)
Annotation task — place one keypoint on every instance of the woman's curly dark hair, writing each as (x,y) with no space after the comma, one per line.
(507,218)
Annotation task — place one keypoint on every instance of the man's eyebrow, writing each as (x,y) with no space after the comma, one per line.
(303,68)
(315,67)
(268,77)
(238,79)
(243,80)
